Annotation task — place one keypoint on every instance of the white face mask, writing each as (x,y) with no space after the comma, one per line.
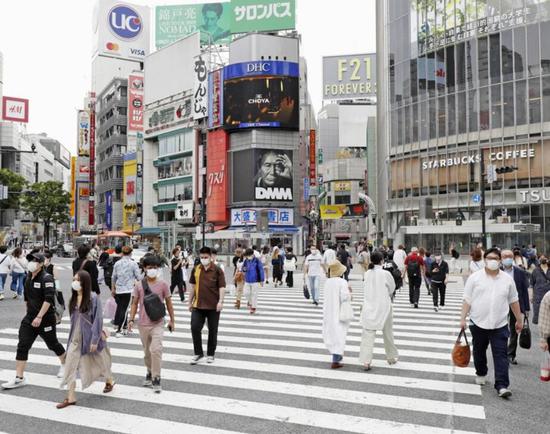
(493,264)
(153,273)
(313,251)
(76,285)
(33,266)
(438,259)
(205,262)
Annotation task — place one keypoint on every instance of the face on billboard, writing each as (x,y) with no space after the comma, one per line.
(265,101)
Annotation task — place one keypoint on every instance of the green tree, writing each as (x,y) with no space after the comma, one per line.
(49,203)
(15,184)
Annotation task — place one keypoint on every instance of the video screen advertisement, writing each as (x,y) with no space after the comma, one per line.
(261,94)
(271,173)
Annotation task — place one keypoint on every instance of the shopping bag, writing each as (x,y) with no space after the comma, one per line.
(306,292)
(346,312)
(525,335)
(110,308)
(461,351)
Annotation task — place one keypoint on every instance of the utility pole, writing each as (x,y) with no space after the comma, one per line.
(482,209)
(203,210)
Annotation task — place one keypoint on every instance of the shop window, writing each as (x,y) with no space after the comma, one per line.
(521,103)
(484,108)
(507,55)
(483,64)
(508,104)
(460,61)
(461,102)
(450,69)
(494,57)
(451,117)
(471,63)
(496,106)
(533,55)
(545,47)
(442,117)
(534,100)
(472,110)
(520,56)
(432,118)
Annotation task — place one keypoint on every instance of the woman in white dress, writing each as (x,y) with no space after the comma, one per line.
(336,292)
(377,313)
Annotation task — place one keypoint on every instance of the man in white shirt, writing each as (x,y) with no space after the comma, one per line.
(329,256)
(489,294)
(313,272)
(399,257)
(5,264)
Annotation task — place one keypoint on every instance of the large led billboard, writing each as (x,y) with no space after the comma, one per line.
(261,94)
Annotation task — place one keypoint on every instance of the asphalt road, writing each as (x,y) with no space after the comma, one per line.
(272,375)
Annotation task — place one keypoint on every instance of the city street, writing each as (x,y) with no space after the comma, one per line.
(272,374)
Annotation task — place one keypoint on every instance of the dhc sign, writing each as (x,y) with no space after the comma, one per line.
(258,67)
(269,68)
(125,22)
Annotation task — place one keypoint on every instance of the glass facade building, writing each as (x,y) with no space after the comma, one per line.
(467,80)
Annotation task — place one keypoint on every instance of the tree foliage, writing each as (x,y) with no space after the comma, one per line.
(15,184)
(49,203)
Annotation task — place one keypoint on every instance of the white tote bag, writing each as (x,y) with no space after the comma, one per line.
(346,312)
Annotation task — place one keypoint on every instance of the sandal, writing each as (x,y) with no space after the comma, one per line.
(64,404)
(392,361)
(108,387)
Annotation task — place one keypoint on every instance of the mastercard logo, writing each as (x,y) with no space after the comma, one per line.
(111,46)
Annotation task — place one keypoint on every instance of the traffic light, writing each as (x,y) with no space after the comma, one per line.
(506,169)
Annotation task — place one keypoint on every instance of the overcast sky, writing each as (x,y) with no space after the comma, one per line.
(47,43)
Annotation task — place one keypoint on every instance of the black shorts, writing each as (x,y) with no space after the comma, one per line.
(28,334)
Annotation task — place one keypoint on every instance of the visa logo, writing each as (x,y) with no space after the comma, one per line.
(137,52)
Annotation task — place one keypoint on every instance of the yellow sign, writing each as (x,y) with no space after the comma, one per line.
(129,194)
(342,185)
(332,212)
(73,183)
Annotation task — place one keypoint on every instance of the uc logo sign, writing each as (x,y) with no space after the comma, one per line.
(125,22)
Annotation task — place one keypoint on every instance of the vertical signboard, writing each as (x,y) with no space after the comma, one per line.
(216,172)
(15,109)
(312,158)
(215,98)
(262,15)
(73,186)
(200,88)
(109,210)
(83,133)
(135,102)
(91,201)
(129,193)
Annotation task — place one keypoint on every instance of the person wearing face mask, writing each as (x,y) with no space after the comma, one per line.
(521,280)
(151,332)
(39,319)
(176,274)
(313,270)
(253,278)
(489,294)
(87,351)
(439,272)
(205,304)
(540,282)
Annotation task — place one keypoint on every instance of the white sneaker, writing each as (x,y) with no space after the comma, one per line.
(1,296)
(118,335)
(436,308)
(481,380)
(61,372)
(504,392)
(196,360)
(210,359)
(15,383)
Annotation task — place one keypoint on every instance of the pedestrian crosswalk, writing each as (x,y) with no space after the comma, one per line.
(271,374)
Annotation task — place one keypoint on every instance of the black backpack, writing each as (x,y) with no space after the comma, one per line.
(153,304)
(413,268)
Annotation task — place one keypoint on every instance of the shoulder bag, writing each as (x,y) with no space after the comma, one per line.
(306,292)
(346,312)
(525,335)
(461,351)
(152,303)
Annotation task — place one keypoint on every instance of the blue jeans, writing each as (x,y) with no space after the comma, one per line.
(17,281)
(3,278)
(314,286)
(337,358)
(498,338)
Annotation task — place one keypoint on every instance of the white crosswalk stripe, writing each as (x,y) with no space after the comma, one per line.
(271,374)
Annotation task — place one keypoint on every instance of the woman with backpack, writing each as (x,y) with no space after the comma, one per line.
(87,351)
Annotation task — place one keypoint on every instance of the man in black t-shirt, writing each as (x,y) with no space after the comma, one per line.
(39,319)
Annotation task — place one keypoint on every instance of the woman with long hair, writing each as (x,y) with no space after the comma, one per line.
(18,272)
(277,264)
(87,351)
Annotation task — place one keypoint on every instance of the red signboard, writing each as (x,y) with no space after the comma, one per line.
(135,103)
(15,109)
(217,175)
(312,159)
(215,90)
(91,202)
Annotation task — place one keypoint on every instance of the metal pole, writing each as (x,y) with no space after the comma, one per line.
(482,175)
(203,210)
(36,171)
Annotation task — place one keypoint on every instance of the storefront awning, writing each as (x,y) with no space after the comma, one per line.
(283,229)
(148,231)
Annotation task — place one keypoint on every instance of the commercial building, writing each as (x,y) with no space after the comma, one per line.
(464,89)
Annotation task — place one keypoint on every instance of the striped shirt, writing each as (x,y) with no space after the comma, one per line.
(544,317)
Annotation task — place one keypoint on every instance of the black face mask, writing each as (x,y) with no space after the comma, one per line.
(544,261)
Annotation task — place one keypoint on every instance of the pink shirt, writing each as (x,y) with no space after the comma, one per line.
(160,287)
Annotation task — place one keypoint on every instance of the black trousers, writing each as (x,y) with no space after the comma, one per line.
(438,293)
(290,278)
(414,289)
(122,302)
(513,341)
(181,288)
(198,317)
(28,334)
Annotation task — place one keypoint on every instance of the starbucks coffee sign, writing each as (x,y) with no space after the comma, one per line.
(474,158)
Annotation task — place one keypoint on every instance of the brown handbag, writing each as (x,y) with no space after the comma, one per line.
(461,351)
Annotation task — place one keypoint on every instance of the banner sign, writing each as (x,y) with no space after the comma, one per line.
(177,21)
(262,15)
(349,77)
(217,176)
(332,212)
(135,103)
(312,158)
(215,98)
(15,109)
(109,209)
(83,129)
(177,114)
(341,185)
(200,89)
(248,216)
